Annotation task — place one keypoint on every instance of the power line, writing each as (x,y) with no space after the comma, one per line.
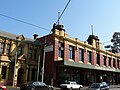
(24,22)
(63,11)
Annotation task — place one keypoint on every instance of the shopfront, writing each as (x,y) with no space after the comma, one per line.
(86,76)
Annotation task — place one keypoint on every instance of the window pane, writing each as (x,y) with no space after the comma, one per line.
(35,54)
(98,58)
(61,49)
(71,52)
(8,49)
(20,50)
(30,53)
(104,60)
(109,61)
(81,55)
(4,69)
(2,45)
(113,62)
(89,56)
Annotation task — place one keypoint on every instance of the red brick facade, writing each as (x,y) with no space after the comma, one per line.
(65,68)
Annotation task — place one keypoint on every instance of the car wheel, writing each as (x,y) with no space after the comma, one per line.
(33,88)
(50,88)
(71,88)
(79,88)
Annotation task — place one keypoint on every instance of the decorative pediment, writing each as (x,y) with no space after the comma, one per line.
(20,37)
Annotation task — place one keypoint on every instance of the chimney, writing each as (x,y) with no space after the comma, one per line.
(35,36)
(58,27)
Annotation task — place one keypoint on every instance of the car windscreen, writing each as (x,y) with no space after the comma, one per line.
(38,83)
(95,86)
(67,82)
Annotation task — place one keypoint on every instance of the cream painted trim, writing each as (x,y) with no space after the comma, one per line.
(5,60)
(71,60)
(59,58)
(80,61)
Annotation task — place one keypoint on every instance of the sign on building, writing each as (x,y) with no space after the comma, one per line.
(49,48)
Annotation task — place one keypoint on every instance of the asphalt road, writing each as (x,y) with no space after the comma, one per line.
(111,88)
(115,89)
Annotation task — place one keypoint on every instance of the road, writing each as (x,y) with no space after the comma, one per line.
(112,88)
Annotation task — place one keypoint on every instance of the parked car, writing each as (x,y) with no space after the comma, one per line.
(2,87)
(35,85)
(71,85)
(99,86)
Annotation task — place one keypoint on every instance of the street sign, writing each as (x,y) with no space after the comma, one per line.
(49,48)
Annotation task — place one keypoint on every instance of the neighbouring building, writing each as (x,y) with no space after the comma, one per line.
(18,58)
(67,58)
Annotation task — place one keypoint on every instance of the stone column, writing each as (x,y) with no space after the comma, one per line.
(15,77)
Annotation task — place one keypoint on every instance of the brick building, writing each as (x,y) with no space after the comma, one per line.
(70,59)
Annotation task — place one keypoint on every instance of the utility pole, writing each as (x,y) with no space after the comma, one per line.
(43,61)
(38,67)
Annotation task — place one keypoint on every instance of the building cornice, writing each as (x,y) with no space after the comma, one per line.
(86,45)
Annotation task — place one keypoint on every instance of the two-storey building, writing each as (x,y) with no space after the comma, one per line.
(18,59)
(86,62)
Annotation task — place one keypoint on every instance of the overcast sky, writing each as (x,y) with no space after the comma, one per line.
(104,15)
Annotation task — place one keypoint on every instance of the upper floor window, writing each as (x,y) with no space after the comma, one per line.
(2,46)
(109,61)
(104,60)
(118,63)
(98,58)
(71,52)
(61,49)
(89,57)
(113,62)
(8,49)
(81,54)
(30,53)
(35,54)
(20,50)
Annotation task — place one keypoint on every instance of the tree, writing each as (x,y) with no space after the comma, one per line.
(115,48)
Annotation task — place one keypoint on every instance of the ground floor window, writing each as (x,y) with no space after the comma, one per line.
(4,69)
(33,74)
(86,76)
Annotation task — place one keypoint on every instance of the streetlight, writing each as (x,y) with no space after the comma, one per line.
(43,61)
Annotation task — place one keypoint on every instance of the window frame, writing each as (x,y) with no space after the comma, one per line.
(71,52)
(61,50)
(98,58)
(81,54)
(2,46)
(89,56)
(30,53)
(104,60)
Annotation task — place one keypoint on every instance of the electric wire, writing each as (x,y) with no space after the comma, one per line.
(24,22)
(59,16)
(63,11)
